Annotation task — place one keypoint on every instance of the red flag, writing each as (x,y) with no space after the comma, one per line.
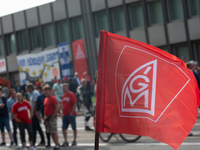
(80,61)
(143,90)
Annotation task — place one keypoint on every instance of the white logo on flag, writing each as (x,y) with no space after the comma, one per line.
(128,90)
(137,94)
(79,53)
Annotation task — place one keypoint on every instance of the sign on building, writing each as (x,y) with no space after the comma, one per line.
(2,65)
(41,66)
(64,59)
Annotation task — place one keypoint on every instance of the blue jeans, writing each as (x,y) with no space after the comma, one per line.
(69,120)
(4,122)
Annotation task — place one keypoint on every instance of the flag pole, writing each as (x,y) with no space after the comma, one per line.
(96,147)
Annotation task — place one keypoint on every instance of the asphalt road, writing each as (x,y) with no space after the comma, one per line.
(85,140)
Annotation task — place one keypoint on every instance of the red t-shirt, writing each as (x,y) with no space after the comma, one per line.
(87,78)
(21,111)
(68,100)
(37,84)
(50,105)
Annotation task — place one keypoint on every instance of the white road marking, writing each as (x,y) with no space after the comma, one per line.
(132,144)
(127,144)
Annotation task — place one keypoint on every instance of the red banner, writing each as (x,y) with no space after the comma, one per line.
(143,90)
(80,61)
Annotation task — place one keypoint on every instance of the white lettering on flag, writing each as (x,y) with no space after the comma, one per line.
(79,53)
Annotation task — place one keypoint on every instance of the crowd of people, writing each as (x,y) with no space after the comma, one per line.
(194,66)
(31,104)
(27,106)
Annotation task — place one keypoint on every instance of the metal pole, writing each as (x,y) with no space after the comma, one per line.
(96,147)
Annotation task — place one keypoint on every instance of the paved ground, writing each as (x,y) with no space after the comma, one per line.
(85,140)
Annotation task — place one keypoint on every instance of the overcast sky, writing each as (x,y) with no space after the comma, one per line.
(12,6)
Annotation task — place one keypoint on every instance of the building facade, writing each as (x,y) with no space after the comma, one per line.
(171,25)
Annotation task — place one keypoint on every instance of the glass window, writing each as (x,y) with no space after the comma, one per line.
(1,47)
(198,51)
(14,77)
(155,12)
(194,7)
(164,48)
(63,31)
(78,28)
(118,17)
(136,14)
(22,40)
(11,43)
(49,35)
(35,38)
(176,9)
(101,21)
(182,51)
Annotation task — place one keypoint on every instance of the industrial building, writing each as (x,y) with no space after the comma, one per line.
(171,25)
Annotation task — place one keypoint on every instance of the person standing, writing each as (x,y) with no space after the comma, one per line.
(4,119)
(86,76)
(85,96)
(72,86)
(33,95)
(65,79)
(20,114)
(89,81)
(69,113)
(40,109)
(77,82)
(11,101)
(51,108)
(76,79)
(17,87)
(5,90)
(191,66)
(57,87)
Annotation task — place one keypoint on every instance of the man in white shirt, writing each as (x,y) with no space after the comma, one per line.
(33,95)
(58,91)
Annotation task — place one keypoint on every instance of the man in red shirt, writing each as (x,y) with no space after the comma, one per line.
(86,76)
(51,109)
(69,102)
(20,114)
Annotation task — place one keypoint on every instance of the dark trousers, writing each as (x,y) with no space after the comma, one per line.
(15,132)
(78,103)
(36,127)
(28,127)
(48,135)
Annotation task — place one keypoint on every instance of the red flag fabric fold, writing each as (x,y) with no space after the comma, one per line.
(143,90)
